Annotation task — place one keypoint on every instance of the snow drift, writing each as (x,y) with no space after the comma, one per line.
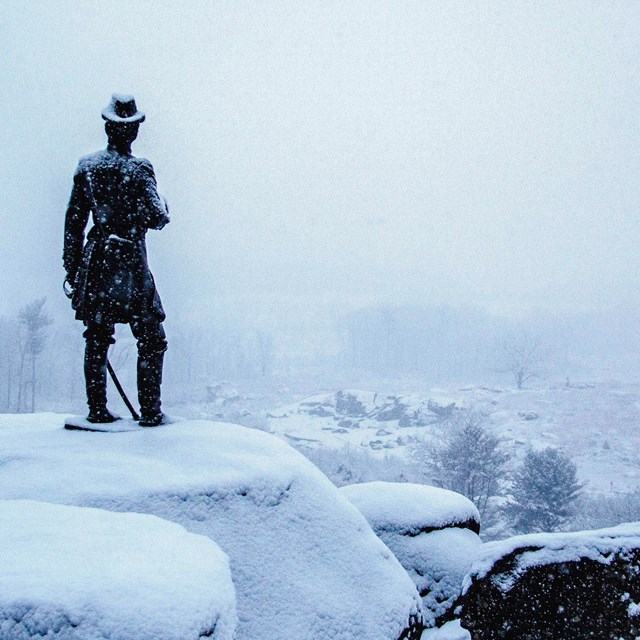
(304,561)
(73,572)
(432,532)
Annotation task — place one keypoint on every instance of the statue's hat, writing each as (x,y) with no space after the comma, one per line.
(122,109)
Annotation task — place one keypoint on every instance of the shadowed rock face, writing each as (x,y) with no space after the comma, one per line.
(414,629)
(551,586)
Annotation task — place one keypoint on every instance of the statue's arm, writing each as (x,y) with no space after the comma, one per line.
(151,206)
(75,222)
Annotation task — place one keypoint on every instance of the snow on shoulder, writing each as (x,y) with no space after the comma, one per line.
(76,572)
(304,562)
(411,508)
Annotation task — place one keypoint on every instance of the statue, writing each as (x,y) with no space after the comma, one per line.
(109,277)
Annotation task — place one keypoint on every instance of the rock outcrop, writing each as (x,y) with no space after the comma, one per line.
(548,586)
(433,533)
(304,562)
(78,573)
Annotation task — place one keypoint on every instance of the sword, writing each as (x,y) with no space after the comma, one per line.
(123,395)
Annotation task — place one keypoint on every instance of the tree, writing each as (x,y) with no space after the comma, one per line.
(32,323)
(521,356)
(544,489)
(470,460)
(8,361)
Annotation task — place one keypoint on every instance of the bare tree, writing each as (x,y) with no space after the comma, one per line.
(32,323)
(521,356)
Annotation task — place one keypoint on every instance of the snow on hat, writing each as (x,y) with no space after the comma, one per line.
(122,108)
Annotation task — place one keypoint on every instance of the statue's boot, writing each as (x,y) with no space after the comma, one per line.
(95,374)
(149,381)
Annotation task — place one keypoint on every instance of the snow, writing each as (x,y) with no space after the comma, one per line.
(73,572)
(304,561)
(80,423)
(598,425)
(404,516)
(437,563)
(539,549)
(410,508)
(450,631)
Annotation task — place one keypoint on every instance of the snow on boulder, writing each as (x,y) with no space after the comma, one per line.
(76,572)
(412,508)
(304,562)
(584,584)
(433,533)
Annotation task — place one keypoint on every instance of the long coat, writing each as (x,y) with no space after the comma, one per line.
(121,193)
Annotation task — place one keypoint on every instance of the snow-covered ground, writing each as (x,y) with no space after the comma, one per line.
(598,425)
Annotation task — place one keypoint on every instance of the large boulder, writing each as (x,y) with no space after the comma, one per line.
(556,585)
(433,533)
(304,561)
(78,573)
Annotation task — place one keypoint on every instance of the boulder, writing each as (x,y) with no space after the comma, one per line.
(433,533)
(304,562)
(78,573)
(556,585)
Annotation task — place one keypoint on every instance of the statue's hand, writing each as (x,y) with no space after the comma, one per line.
(67,287)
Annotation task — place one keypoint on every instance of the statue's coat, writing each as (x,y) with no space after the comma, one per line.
(121,193)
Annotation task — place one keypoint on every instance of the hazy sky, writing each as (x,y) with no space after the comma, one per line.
(349,152)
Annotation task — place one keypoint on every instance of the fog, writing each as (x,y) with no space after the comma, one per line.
(324,157)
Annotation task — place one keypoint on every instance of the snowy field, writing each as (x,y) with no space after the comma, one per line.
(596,424)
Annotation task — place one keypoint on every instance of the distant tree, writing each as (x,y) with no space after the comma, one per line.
(265,352)
(544,489)
(521,356)
(469,461)
(8,360)
(32,323)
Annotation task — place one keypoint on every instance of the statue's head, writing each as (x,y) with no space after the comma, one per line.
(122,119)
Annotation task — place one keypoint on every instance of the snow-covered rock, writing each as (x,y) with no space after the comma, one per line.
(360,405)
(433,533)
(375,421)
(448,631)
(584,584)
(304,561)
(77,572)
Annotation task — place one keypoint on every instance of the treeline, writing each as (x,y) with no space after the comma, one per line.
(41,356)
(41,359)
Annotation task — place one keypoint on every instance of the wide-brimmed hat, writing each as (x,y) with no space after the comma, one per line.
(122,109)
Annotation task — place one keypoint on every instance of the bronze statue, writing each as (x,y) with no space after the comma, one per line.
(109,275)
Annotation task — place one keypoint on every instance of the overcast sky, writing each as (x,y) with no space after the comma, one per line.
(443,152)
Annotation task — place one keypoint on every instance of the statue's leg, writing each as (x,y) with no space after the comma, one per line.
(99,337)
(152,344)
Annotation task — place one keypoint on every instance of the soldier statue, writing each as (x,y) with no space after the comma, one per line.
(108,277)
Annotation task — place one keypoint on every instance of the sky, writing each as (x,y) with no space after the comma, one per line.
(328,154)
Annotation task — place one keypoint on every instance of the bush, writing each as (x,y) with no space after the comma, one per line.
(600,511)
(351,465)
